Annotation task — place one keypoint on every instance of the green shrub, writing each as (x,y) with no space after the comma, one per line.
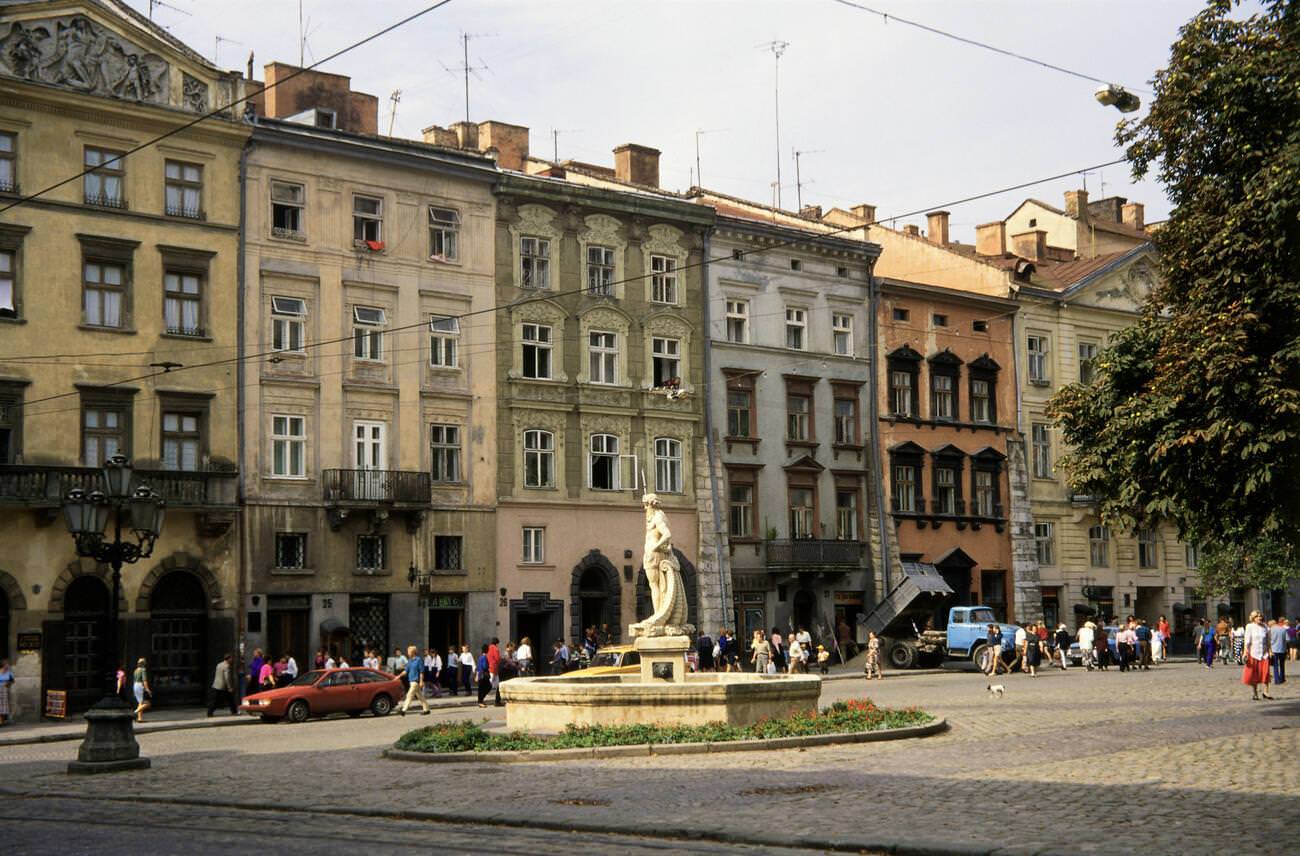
(852,716)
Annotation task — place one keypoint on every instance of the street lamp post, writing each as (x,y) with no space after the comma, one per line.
(110,743)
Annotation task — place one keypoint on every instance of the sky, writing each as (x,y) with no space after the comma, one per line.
(884,113)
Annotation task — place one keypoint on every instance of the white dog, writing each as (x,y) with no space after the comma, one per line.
(996,690)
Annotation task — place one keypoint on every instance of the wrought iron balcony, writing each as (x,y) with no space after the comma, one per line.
(45,487)
(372,487)
(813,554)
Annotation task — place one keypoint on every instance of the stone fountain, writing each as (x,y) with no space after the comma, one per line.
(664,692)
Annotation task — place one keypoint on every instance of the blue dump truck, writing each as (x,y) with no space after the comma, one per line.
(920,623)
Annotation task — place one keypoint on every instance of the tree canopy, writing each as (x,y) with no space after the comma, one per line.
(1194,412)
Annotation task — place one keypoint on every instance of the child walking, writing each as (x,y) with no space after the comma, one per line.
(872,668)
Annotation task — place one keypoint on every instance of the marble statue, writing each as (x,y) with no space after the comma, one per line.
(664,574)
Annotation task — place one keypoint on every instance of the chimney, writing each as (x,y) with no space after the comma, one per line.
(466,135)
(867,213)
(509,141)
(1031,245)
(937,228)
(637,164)
(1076,204)
(911,229)
(1133,216)
(1109,209)
(811,212)
(439,136)
(991,239)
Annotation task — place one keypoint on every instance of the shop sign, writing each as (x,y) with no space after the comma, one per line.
(29,643)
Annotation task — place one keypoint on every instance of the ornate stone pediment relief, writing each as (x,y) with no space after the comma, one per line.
(540,311)
(669,324)
(546,420)
(536,220)
(664,240)
(602,229)
(602,317)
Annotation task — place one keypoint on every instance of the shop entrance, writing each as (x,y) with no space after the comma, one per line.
(288,628)
(178,631)
(85,621)
(447,623)
(541,618)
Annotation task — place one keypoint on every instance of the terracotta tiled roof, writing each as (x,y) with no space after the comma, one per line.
(1059,276)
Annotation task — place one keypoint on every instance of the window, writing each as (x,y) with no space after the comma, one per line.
(368,332)
(901,392)
(796,264)
(184,189)
(602,464)
(846,421)
(981,401)
(740,407)
(985,493)
(846,515)
(537,351)
(105,432)
(444,445)
(287,325)
(1146,539)
(668,465)
(842,272)
(905,498)
(289,446)
(8,163)
(535,261)
(1099,546)
(939,319)
(740,513)
(291,550)
(666,357)
(663,279)
(798,417)
(367,219)
(104,294)
(1045,543)
(183,303)
(370,553)
(796,328)
(448,553)
(1041,440)
(288,207)
(603,357)
(444,341)
(103,185)
(181,440)
(980,326)
(444,234)
(943,395)
(842,334)
(8,286)
(1087,359)
(802,512)
(11,425)
(539,458)
(901,314)
(738,321)
(1037,346)
(534,545)
(945,490)
(1192,554)
(600,270)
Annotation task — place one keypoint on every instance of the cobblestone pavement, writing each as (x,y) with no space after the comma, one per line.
(1176,760)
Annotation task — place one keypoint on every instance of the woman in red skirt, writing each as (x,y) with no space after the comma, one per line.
(1255,652)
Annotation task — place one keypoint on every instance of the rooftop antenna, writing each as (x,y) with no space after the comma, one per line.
(699,133)
(555,141)
(160,4)
(465,68)
(216,47)
(777,47)
(302,37)
(798,180)
(392,110)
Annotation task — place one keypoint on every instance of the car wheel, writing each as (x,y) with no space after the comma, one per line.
(977,655)
(382,705)
(903,655)
(298,711)
(266,717)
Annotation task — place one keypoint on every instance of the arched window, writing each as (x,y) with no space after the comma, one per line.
(668,465)
(539,458)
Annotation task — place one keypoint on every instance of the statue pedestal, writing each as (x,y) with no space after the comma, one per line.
(110,744)
(663,658)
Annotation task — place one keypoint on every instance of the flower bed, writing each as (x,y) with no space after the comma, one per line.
(849,717)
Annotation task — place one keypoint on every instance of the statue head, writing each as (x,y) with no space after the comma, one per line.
(650,500)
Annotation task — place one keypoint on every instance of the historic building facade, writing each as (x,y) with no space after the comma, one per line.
(118,317)
(369,413)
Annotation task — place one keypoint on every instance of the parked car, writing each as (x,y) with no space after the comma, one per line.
(615,660)
(324,691)
(1076,654)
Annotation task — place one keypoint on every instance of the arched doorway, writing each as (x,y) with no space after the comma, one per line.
(4,625)
(85,621)
(595,596)
(178,632)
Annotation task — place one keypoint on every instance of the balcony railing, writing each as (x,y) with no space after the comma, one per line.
(47,486)
(813,553)
(376,486)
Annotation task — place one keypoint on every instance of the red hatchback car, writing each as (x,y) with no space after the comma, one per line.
(324,691)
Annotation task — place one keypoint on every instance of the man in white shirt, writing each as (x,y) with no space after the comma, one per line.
(1087,641)
(1022,643)
(291,668)
(330,662)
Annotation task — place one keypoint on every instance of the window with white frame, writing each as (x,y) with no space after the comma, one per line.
(289,446)
(535,262)
(1087,361)
(798,417)
(1147,557)
(846,515)
(291,550)
(738,321)
(105,178)
(943,395)
(183,303)
(1038,348)
(105,432)
(8,162)
(444,342)
(842,333)
(602,462)
(370,553)
(668,465)
(796,328)
(288,323)
(537,351)
(1045,543)
(846,421)
(945,489)
(666,358)
(985,492)
(539,458)
(8,285)
(741,511)
(368,332)
(444,447)
(288,210)
(1099,546)
(1041,440)
(600,270)
(663,279)
(901,392)
(367,219)
(1192,554)
(981,399)
(104,294)
(181,440)
(803,514)
(534,545)
(444,234)
(602,350)
(183,189)
(905,487)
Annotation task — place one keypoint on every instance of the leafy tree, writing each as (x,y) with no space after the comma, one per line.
(1194,413)
(1265,563)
